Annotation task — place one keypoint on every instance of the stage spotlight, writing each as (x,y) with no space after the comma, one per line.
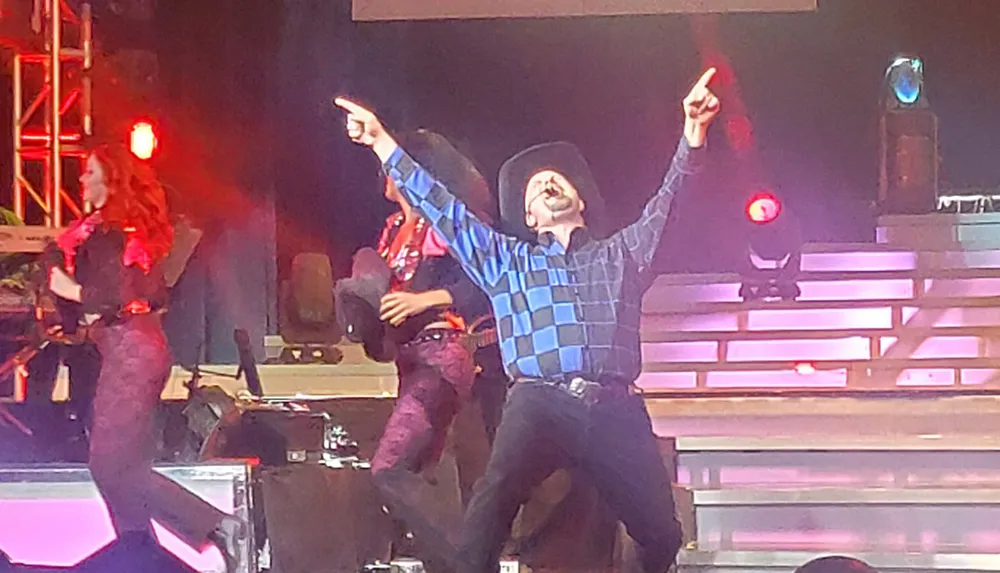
(307,318)
(763,208)
(142,140)
(905,82)
(774,247)
(908,141)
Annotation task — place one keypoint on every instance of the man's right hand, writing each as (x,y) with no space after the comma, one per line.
(364,128)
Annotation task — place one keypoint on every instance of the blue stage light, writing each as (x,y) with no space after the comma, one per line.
(905,78)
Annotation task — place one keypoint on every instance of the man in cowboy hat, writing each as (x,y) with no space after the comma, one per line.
(567,308)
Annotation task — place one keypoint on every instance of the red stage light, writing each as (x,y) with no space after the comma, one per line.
(763,208)
(142,140)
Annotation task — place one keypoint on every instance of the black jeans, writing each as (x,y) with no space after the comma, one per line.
(544,428)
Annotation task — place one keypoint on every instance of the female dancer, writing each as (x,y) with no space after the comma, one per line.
(431,307)
(110,270)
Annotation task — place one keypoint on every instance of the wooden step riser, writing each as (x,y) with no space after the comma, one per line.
(855,317)
(696,561)
(849,348)
(920,529)
(664,297)
(890,469)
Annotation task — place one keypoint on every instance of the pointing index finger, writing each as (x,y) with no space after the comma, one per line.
(350,106)
(705,78)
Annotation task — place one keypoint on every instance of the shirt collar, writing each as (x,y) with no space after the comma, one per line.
(578,238)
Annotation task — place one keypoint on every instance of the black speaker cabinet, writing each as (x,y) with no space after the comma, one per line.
(323,519)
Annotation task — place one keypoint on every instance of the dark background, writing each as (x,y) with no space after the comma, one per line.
(250,82)
(810,81)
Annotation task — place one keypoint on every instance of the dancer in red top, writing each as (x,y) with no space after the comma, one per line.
(430,309)
(110,281)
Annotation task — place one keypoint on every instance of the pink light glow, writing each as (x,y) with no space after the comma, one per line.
(706,351)
(683,476)
(874,261)
(723,291)
(982,542)
(711,322)
(976,287)
(978,376)
(777,379)
(901,289)
(791,540)
(737,477)
(62,532)
(953,317)
(805,369)
(750,477)
(666,380)
(880,317)
(842,540)
(852,348)
(948,347)
(30,526)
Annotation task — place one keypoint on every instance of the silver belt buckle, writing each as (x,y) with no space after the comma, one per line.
(578,387)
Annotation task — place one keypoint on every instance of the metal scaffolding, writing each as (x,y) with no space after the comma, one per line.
(51,129)
(52,102)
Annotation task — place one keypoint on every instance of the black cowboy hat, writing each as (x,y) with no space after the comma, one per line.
(561,157)
(454,170)
(358,300)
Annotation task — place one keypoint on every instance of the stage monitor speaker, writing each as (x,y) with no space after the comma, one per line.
(53,518)
(324,519)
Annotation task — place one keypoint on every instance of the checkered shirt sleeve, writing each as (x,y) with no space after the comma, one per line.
(484,253)
(642,237)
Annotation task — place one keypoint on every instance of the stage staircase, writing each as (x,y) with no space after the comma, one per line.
(913,320)
(922,311)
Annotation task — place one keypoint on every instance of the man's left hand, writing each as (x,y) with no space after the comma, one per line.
(700,108)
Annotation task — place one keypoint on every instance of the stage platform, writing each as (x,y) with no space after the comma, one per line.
(53,515)
(861,419)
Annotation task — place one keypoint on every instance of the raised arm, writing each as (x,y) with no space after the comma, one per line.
(484,253)
(642,237)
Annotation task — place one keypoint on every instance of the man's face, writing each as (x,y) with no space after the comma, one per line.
(549,198)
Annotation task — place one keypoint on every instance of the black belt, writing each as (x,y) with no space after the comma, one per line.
(432,335)
(474,341)
(588,390)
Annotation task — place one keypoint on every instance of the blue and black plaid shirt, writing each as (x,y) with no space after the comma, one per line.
(561,312)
